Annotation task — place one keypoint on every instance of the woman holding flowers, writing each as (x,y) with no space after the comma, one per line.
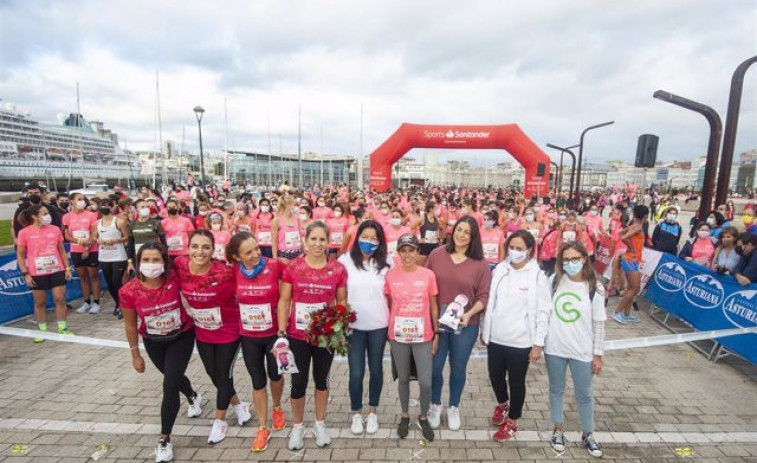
(309,283)
(366,265)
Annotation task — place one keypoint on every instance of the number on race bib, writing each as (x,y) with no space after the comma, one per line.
(256,317)
(408,329)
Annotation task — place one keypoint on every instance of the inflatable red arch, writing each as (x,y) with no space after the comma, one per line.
(508,137)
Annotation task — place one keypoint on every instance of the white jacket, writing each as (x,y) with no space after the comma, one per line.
(539,302)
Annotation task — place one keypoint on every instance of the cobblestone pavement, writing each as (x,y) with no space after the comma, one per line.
(59,402)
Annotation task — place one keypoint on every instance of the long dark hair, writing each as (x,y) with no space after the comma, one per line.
(26,216)
(232,249)
(475,249)
(153,245)
(379,255)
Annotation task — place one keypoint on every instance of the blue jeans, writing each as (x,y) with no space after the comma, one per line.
(459,347)
(582,384)
(361,342)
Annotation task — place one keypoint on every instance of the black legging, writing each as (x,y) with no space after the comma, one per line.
(218,360)
(303,351)
(258,358)
(113,272)
(509,363)
(171,359)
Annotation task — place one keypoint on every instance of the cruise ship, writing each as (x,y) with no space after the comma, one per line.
(65,156)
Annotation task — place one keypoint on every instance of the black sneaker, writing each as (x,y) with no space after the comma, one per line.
(558,440)
(426,430)
(591,445)
(120,314)
(403,428)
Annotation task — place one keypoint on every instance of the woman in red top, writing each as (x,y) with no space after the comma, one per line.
(263,222)
(208,286)
(257,292)
(338,226)
(310,283)
(43,263)
(167,335)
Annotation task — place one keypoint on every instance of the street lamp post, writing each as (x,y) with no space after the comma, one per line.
(557,171)
(572,168)
(581,151)
(199,111)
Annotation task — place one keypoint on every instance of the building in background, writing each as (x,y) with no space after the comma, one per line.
(264,169)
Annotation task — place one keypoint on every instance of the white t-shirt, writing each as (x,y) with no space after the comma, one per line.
(571,331)
(365,294)
(509,321)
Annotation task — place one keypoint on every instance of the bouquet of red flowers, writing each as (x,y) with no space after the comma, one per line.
(330,326)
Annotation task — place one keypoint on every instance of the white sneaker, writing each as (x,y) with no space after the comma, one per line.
(242,411)
(94,308)
(434,415)
(372,426)
(164,451)
(357,424)
(453,418)
(218,432)
(195,408)
(296,438)
(84,308)
(322,436)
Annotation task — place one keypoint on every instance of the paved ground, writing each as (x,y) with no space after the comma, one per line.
(59,402)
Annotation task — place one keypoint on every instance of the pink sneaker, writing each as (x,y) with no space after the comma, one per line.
(500,413)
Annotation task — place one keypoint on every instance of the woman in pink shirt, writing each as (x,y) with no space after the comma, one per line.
(492,240)
(257,291)
(241,222)
(393,230)
(309,283)
(79,227)
(322,211)
(153,300)
(263,224)
(177,229)
(43,263)
(411,293)
(338,226)
(285,230)
(700,248)
(221,237)
(208,286)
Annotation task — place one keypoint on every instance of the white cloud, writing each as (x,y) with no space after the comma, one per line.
(554,67)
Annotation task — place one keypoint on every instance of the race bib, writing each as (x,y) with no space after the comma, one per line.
(264,238)
(302,313)
(175,243)
(164,323)
(337,238)
(107,247)
(207,319)
(431,236)
(256,317)
(292,239)
(568,236)
(46,264)
(244,228)
(219,252)
(80,234)
(408,329)
(490,251)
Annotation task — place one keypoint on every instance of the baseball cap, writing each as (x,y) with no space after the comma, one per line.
(407,240)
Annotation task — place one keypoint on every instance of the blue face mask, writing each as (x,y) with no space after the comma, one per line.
(572,269)
(367,247)
(254,272)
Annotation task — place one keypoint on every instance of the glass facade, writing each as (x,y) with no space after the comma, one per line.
(264,169)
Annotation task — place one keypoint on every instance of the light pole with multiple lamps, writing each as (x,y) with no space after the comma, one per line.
(199,111)
(573,165)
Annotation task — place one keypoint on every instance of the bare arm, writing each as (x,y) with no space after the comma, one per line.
(132,337)
(285,300)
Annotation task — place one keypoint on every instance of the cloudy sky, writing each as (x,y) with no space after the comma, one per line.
(554,67)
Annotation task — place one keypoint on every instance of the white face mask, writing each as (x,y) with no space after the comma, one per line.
(304,217)
(529,217)
(81,204)
(394,221)
(593,212)
(216,226)
(488,223)
(151,269)
(516,256)
(337,214)
(144,212)
(47,219)
(321,203)
(703,233)
(265,209)
(203,213)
